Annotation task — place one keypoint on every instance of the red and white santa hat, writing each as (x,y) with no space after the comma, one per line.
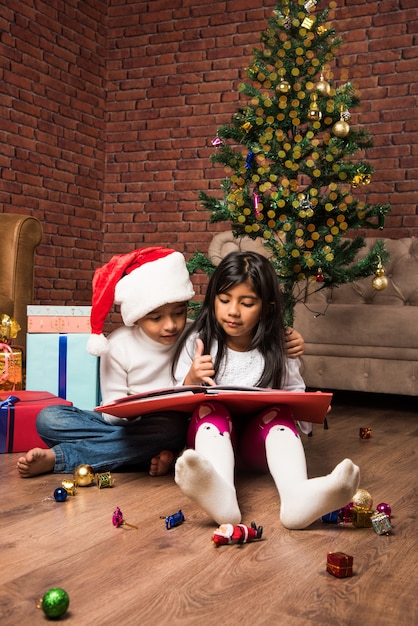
(139,282)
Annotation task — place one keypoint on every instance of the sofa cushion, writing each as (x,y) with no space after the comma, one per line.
(361,374)
(364,327)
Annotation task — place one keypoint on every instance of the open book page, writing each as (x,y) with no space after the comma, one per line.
(188,389)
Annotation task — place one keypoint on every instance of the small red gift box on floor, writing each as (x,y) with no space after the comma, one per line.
(339,564)
(18,413)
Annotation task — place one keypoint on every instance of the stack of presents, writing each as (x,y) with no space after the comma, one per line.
(55,368)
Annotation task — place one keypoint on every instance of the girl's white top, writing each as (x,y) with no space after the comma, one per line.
(241,369)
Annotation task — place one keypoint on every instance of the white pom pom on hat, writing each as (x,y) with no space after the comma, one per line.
(140,281)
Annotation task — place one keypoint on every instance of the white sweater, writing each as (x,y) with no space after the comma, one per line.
(241,369)
(134,364)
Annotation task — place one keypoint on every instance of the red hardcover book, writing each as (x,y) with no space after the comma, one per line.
(305,406)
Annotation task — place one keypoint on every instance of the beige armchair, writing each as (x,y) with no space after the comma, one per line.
(20,236)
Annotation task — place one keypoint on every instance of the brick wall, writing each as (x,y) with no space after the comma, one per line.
(52,123)
(108,108)
(380,56)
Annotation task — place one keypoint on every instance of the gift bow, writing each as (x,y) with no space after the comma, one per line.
(9,401)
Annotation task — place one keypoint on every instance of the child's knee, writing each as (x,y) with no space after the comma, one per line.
(49,417)
(45,417)
(278,415)
(214,409)
(212,416)
(253,441)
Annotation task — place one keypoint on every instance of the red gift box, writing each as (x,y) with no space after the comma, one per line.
(339,564)
(18,419)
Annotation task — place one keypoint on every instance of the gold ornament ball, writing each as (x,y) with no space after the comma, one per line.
(362,499)
(314,114)
(379,282)
(341,129)
(83,475)
(323,87)
(283,86)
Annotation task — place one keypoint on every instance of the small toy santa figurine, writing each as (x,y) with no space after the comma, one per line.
(228,534)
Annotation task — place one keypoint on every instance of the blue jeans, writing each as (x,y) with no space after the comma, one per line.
(84,437)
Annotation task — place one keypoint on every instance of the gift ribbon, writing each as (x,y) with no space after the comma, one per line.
(7,425)
(9,401)
(62,367)
(344,566)
(339,569)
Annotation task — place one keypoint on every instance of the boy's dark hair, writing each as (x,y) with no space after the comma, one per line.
(269,337)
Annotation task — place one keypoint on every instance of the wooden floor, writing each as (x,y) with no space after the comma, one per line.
(153,576)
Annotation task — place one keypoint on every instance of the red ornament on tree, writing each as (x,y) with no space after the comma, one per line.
(319,277)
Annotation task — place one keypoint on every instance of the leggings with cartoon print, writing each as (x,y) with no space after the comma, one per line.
(249,440)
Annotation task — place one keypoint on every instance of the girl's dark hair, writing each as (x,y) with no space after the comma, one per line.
(269,337)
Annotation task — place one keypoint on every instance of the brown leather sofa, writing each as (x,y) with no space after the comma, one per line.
(357,338)
(20,236)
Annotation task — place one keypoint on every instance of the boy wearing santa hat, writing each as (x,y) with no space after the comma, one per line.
(152,287)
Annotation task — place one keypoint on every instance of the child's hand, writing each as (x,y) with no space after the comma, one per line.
(295,344)
(201,369)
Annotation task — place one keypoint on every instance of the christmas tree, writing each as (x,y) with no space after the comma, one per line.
(288,155)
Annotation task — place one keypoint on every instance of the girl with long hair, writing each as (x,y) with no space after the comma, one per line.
(238,338)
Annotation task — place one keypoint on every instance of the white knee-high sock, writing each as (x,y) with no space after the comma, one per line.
(206,474)
(303,500)
(217,448)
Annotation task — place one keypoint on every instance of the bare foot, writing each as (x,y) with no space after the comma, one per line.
(162,463)
(36,461)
